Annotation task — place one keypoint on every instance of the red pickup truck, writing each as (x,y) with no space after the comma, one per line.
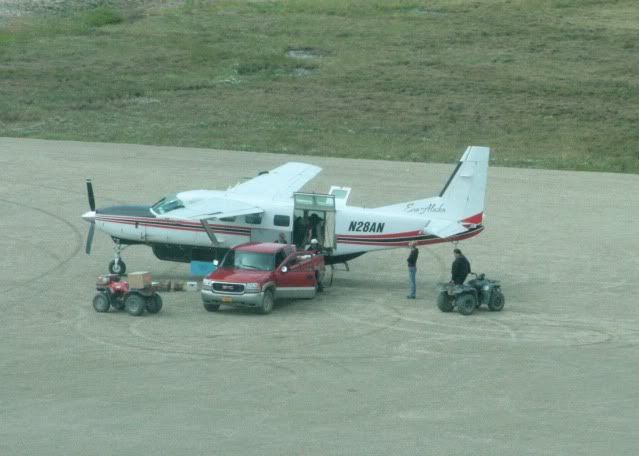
(256,274)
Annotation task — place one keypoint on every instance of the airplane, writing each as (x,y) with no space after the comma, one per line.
(201,225)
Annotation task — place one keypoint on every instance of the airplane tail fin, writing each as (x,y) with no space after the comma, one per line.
(460,204)
(464,193)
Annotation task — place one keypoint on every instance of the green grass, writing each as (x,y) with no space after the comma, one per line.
(549,84)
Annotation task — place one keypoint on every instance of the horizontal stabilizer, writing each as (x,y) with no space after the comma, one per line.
(443,228)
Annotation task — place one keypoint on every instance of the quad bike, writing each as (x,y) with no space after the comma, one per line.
(469,296)
(113,292)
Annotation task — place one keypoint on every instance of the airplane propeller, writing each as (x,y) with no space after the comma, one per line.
(91,196)
(90,216)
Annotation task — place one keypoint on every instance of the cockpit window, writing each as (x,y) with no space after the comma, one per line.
(167,204)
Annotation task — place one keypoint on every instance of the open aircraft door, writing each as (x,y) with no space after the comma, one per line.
(323,206)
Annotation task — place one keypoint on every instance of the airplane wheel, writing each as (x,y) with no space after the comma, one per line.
(101,302)
(211,307)
(135,304)
(267,302)
(466,304)
(496,301)
(117,268)
(444,302)
(153,303)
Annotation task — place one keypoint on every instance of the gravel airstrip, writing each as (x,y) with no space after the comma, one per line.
(360,369)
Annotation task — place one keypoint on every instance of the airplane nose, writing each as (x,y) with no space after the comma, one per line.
(89,216)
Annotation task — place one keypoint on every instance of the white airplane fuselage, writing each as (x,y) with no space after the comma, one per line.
(201,223)
(356,229)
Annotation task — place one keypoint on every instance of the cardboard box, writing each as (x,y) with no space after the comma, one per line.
(139,279)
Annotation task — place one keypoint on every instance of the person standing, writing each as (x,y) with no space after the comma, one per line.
(314,247)
(412,269)
(460,268)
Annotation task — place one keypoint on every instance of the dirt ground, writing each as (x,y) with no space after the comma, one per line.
(360,369)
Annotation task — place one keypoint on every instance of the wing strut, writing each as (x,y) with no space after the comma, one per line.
(209,231)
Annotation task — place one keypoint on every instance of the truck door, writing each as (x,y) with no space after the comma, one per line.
(295,277)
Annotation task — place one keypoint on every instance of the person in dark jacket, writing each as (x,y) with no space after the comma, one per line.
(412,269)
(460,269)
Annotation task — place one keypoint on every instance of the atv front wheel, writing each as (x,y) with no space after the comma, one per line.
(101,302)
(444,302)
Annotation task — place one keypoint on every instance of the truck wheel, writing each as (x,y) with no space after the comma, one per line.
(135,304)
(466,304)
(101,302)
(211,307)
(119,268)
(444,302)
(267,302)
(153,303)
(496,301)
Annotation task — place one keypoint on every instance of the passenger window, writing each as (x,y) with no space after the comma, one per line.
(281,220)
(227,219)
(253,219)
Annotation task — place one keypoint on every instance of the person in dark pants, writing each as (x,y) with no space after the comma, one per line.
(299,231)
(460,269)
(412,268)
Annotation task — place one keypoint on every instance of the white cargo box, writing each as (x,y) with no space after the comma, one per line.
(139,279)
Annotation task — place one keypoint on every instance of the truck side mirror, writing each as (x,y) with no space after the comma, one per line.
(216,263)
(284,269)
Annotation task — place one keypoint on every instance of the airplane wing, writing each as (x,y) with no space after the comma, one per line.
(214,209)
(279,183)
(444,228)
(217,208)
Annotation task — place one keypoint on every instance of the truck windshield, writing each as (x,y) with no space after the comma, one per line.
(250,260)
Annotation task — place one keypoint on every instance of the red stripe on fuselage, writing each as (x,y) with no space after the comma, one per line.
(436,240)
(178,225)
(381,236)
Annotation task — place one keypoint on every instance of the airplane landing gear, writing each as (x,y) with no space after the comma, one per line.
(117,266)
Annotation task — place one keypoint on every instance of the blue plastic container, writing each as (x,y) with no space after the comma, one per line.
(201,268)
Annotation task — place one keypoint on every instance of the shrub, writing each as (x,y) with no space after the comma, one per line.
(102,15)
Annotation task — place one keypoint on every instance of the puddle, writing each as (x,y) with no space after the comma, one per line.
(428,11)
(303,53)
(301,71)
